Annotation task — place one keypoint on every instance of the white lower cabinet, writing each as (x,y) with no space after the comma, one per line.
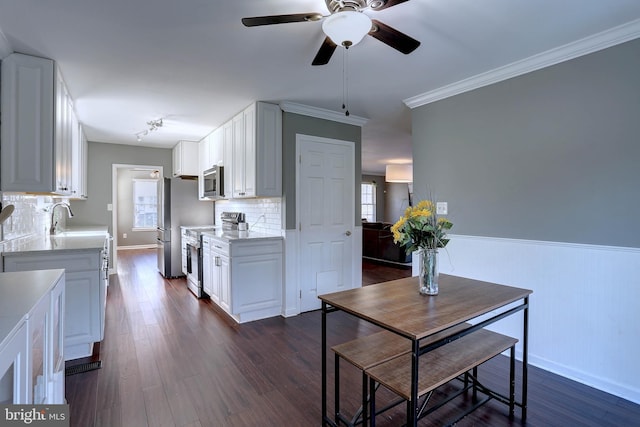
(85,294)
(31,324)
(244,276)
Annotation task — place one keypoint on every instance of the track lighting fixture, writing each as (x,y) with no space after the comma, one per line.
(153,125)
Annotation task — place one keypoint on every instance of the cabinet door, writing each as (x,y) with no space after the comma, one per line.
(206,266)
(249,115)
(214,262)
(27,131)
(238,160)
(203,155)
(64,134)
(82,318)
(14,380)
(227,158)
(37,327)
(224,278)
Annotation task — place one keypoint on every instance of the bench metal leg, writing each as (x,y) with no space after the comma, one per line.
(512,381)
(372,401)
(336,365)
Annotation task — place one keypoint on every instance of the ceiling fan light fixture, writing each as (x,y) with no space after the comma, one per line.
(346,28)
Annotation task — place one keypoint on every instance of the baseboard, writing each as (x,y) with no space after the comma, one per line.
(126,248)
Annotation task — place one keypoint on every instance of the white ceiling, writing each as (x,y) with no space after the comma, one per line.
(193,64)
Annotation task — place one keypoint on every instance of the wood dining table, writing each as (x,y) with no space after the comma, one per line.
(397,306)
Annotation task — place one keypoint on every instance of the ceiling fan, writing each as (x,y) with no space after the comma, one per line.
(346,26)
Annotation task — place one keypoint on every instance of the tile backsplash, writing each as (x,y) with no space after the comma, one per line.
(29,217)
(262,215)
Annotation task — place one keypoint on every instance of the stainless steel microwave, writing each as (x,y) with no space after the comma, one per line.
(214,182)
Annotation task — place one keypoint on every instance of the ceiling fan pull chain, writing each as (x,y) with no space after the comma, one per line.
(345,81)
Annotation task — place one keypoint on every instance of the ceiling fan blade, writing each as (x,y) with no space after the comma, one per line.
(394,38)
(387,4)
(324,53)
(280,19)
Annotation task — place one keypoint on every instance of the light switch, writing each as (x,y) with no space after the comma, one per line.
(109,207)
(441,208)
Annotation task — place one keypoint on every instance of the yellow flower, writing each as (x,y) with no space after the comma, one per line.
(425,204)
(420,212)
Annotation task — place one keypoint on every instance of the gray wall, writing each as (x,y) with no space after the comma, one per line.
(293,124)
(397,200)
(101,157)
(552,155)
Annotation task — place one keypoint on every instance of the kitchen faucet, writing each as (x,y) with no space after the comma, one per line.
(52,230)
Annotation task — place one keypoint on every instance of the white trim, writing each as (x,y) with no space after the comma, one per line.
(125,248)
(321,113)
(587,45)
(114,203)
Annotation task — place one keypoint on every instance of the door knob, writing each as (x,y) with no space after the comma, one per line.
(348,233)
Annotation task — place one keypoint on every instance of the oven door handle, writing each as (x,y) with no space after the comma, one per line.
(189,260)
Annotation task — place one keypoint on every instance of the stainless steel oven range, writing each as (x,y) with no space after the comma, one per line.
(194,260)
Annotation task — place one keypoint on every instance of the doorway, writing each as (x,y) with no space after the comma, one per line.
(116,197)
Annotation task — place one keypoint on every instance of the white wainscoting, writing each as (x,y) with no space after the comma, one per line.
(584,317)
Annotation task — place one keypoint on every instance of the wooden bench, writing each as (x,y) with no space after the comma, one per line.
(441,365)
(366,352)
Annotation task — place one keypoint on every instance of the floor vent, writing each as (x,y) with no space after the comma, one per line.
(83,367)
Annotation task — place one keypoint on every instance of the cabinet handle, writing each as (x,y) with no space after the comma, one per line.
(218,263)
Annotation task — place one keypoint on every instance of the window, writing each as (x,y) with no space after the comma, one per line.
(145,204)
(368,199)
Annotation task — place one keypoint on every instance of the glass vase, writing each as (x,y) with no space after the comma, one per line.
(429,272)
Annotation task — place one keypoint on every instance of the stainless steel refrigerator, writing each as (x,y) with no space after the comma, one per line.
(178,205)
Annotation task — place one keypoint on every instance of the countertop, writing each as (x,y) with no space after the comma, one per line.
(77,239)
(231,236)
(19,293)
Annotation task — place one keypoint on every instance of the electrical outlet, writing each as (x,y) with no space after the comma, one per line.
(441,208)
(124,235)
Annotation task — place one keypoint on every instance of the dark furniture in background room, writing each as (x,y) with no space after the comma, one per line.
(377,244)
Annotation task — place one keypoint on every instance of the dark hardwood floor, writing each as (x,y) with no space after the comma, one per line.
(171,360)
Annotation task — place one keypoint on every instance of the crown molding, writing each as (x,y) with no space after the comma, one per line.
(585,46)
(321,113)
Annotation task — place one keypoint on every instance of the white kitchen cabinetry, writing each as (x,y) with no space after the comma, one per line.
(227,156)
(185,159)
(210,153)
(257,151)
(85,293)
(245,276)
(37,123)
(207,268)
(183,246)
(79,158)
(31,365)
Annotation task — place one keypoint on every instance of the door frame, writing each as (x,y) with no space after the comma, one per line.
(115,168)
(356,267)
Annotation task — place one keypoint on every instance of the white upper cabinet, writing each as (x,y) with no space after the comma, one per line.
(210,153)
(185,159)
(257,151)
(37,127)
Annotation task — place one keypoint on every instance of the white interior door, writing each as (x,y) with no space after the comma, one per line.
(326,196)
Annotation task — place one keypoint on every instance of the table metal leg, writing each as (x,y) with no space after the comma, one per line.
(525,358)
(412,407)
(324,363)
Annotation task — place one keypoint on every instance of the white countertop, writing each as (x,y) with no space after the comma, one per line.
(70,240)
(230,236)
(19,293)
